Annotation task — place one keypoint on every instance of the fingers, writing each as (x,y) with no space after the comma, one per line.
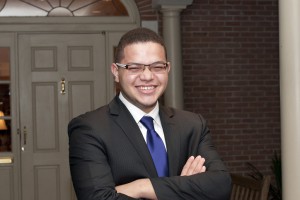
(187,166)
(196,166)
(193,166)
(203,169)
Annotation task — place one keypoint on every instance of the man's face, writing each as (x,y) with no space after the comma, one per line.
(143,89)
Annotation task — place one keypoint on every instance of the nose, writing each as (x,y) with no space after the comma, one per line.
(146,74)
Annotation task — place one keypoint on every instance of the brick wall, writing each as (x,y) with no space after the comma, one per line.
(231,75)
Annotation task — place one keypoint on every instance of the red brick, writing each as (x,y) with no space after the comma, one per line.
(230,57)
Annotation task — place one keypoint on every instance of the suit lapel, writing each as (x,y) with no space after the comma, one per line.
(172,137)
(124,119)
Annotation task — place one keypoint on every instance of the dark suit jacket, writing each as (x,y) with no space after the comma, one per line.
(106,148)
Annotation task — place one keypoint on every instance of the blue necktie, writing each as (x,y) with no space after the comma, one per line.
(156,147)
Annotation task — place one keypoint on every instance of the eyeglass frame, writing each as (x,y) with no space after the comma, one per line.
(126,66)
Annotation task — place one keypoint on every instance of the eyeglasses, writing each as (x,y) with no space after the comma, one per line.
(137,68)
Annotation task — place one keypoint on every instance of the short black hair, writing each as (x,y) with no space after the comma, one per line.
(135,36)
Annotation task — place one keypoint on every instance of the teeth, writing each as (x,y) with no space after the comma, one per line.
(147,88)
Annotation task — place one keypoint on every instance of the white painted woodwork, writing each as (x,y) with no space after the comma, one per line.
(45,60)
(9,172)
(43,51)
(289,14)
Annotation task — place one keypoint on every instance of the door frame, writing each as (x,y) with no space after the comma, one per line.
(45,155)
(13,168)
(13,26)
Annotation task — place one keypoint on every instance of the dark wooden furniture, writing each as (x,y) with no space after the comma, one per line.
(247,188)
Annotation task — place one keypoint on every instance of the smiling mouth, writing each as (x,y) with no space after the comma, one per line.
(146,87)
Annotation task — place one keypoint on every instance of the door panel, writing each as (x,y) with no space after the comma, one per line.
(77,90)
(6,182)
(61,76)
(9,138)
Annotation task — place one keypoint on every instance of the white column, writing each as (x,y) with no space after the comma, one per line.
(171,10)
(172,35)
(289,20)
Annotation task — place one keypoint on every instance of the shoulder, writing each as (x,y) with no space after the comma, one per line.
(188,125)
(100,114)
(90,117)
(101,117)
(181,116)
(95,114)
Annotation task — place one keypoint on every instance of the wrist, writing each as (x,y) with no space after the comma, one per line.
(146,189)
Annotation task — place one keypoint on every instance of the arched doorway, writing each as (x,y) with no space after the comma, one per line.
(53,61)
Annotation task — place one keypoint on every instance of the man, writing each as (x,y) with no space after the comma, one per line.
(134,148)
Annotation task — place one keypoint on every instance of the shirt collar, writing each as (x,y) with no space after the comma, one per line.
(138,113)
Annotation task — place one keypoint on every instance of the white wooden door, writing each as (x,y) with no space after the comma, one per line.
(60,77)
(9,160)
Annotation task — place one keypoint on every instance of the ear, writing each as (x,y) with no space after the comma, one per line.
(169,67)
(115,72)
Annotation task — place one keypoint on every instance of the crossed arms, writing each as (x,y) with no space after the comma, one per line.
(105,164)
(142,188)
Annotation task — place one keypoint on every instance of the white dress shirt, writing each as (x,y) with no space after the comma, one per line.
(138,114)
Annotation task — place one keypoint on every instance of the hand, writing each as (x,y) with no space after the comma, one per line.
(141,188)
(193,166)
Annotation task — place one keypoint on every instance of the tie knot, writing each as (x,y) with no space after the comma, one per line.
(147,122)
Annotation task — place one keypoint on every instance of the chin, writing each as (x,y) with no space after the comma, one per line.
(147,104)
(148,100)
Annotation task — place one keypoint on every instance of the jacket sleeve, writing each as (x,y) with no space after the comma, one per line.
(210,185)
(91,174)
(214,184)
